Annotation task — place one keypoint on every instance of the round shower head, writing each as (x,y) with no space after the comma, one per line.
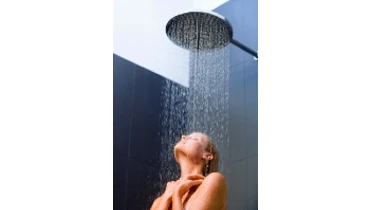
(199,31)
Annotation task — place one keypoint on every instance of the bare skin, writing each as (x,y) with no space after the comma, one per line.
(193,191)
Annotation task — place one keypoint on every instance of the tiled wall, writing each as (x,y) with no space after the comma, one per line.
(136,101)
(242,177)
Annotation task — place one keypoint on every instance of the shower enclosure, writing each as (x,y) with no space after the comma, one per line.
(138,120)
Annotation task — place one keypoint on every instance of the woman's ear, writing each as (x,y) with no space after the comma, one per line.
(207,156)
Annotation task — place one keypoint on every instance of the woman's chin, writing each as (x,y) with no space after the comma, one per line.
(178,151)
(178,146)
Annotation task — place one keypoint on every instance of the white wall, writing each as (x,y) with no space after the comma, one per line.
(207,4)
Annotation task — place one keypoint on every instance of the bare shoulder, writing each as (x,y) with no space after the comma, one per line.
(214,182)
(211,194)
(215,178)
(215,175)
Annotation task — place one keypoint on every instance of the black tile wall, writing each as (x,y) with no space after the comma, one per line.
(252,178)
(243,118)
(142,186)
(136,120)
(123,73)
(119,182)
(145,140)
(251,87)
(237,185)
(252,205)
(238,143)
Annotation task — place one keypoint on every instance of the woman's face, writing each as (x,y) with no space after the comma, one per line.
(192,146)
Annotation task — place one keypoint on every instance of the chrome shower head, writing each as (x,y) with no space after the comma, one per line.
(202,31)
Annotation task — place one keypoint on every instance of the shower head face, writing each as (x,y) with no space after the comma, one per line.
(199,31)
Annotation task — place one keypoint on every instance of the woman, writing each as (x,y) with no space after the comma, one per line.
(200,186)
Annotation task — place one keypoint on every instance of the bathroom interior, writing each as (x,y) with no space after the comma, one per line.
(162,90)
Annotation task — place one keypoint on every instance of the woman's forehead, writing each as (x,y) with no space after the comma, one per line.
(200,136)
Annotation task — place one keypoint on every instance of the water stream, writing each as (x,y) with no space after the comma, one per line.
(201,107)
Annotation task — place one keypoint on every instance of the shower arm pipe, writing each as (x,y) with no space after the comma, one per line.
(245,48)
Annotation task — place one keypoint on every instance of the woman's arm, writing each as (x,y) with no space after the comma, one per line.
(182,187)
(211,195)
(163,202)
(176,202)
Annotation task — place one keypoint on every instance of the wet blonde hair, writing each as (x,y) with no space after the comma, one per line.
(211,165)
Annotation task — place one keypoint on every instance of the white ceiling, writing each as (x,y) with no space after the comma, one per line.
(139,34)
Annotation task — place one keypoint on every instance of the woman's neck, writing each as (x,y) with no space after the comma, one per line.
(188,168)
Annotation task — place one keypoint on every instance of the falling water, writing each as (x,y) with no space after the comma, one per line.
(201,107)
(208,98)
